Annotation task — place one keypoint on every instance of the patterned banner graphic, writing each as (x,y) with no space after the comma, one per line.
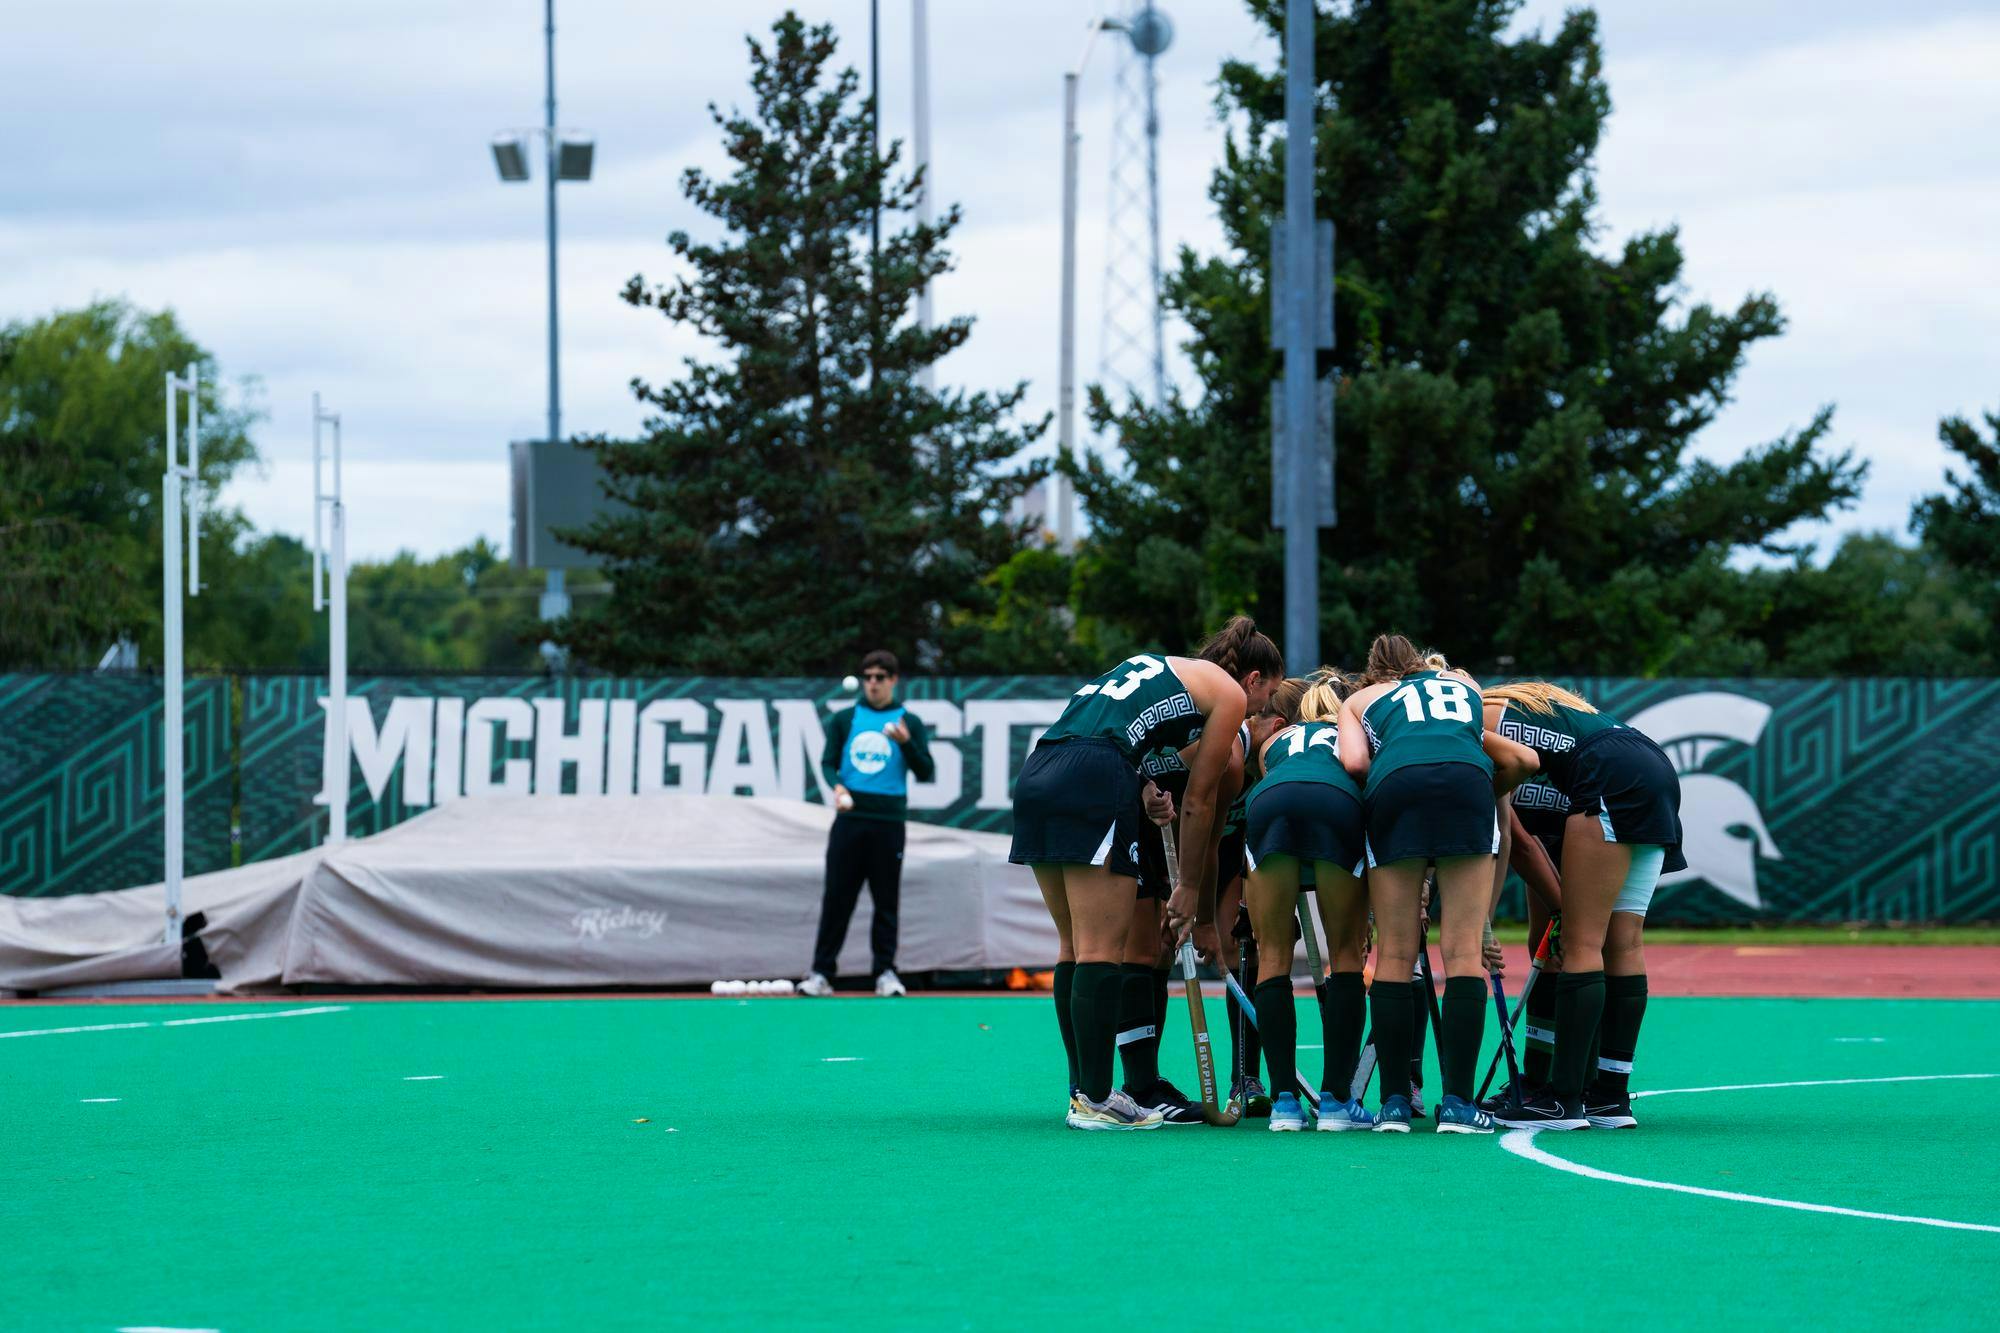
(1867,800)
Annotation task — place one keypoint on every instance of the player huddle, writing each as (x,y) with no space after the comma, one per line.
(1392,792)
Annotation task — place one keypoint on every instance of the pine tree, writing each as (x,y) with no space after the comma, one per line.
(803,497)
(1515,404)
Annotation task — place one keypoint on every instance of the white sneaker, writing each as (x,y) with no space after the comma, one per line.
(816,986)
(889,984)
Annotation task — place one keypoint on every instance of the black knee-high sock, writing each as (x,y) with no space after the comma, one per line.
(1094,1010)
(1278,1021)
(1624,1010)
(1395,1030)
(1539,1022)
(1138,1028)
(1345,1015)
(1420,1022)
(1065,988)
(1464,1018)
(1579,1008)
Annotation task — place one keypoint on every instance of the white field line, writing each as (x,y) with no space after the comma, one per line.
(1812,1083)
(174,1022)
(422,1078)
(245,1018)
(56,1032)
(94,1101)
(1521,1142)
(161,1328)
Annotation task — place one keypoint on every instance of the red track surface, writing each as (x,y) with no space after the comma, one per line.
(1945,971)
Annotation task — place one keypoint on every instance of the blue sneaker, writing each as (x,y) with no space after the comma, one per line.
(1394,1117)
(1286,1113)
(1336,1115)
(1457,1116)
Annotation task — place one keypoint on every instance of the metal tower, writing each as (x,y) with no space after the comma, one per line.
(1132,356)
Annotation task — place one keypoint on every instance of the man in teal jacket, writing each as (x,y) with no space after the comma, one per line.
(871,751)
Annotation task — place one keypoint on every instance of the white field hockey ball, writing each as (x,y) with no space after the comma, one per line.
(849,683)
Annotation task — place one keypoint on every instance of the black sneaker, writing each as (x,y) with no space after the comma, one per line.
(1165,1098)
(1248,1093)
(1608,1111)
(1544,1112)
(1508,1098)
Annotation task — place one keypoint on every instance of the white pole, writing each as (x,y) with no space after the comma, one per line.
(1061,498)
(334,563)
(173,720)
(1066,390)
(920,96)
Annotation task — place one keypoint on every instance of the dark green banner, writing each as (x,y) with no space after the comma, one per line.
(1869,800)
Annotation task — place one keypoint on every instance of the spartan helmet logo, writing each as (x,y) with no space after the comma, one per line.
(1723,829)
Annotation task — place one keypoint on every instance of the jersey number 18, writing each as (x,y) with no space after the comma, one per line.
(1449,701)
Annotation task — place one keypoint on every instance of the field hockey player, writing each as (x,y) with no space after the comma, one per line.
(1621,825)
(1414,732)
(1077,816)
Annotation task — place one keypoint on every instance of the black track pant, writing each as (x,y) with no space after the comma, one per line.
(860,851)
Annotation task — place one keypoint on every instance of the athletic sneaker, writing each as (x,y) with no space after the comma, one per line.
(1249,1093)
(816,985)
(1416,1101)
(1336,1115)
(1604,1111)
(1117,1111)
(1394,1117)
(1286,1113)
(1458,1116)
(1508,1097)
(1544,1112)
(1170,1102)
(889,984)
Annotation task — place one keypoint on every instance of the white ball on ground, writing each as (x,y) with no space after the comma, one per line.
(716,987)
(850,683)
(783,986)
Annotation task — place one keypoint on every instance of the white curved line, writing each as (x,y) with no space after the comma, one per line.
(1521,1142)
(56,1032)
(1810,1083)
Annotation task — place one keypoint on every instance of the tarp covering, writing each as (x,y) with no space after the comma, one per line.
(533,892)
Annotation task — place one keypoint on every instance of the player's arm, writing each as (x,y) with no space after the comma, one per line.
(1221,701)
(1353,738)
(1530,861)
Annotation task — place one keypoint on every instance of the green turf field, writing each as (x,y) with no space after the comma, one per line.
(862,1164)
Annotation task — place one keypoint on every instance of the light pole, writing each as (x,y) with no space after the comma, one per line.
(920,106)
(1149,33)
(568,157)
(1302,500)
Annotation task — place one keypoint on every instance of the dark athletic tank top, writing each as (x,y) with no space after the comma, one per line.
(1428,718)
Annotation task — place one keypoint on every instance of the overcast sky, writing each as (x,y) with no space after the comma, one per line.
(308,185)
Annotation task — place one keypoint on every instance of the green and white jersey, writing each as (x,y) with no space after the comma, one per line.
(1306,752)
(1429,718)
(1555,736)
(1140,705)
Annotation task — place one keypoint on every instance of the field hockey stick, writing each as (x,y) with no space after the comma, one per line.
(1506,1036)
(1212,1110)
(1249,1009)
(1543,951)
(1246,1019)
(1430,991)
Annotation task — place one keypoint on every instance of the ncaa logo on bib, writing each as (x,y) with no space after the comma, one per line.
(1723,831)
(869,750)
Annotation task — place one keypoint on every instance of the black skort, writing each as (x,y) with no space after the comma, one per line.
(1428,811)
(1626,782)
(1077,803)
(1308,821)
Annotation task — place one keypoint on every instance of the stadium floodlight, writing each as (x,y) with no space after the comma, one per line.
(180,480)
(573,156)
(510,155)
(329,593)
(569,157)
